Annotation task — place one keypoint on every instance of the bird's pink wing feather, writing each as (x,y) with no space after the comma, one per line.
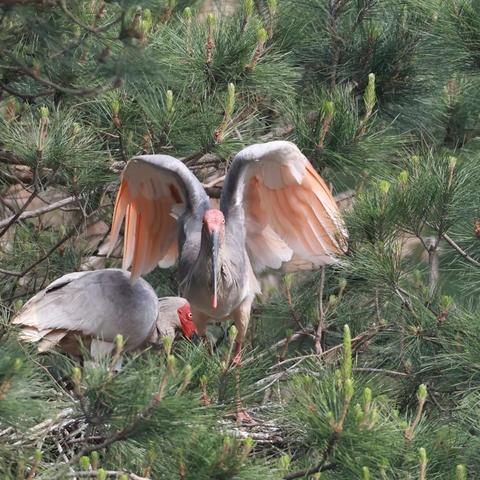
(149,194)
(290,213)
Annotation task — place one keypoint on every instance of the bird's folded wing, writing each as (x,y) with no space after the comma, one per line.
(289,210)
(99,303)
(59,308)
(155,190)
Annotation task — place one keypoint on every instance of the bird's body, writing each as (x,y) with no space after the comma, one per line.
(94,307)
(274,208)
(235,279)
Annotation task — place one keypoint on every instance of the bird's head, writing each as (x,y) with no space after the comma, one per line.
(186,323)
(214,228)
(214,223)
(174,316)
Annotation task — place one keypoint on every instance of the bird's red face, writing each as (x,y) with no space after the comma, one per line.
(186,322)
(214,221)
(214,227)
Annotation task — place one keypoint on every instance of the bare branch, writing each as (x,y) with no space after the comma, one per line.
(38,211)
(459,249)
(109,473)
(10,221)
(10,272)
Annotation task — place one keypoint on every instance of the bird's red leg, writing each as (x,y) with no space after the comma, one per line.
(237,353)
(241,317)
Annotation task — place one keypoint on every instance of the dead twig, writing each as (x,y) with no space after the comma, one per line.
(214,182)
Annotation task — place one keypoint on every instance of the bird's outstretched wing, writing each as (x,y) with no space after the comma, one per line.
(289,212)
(155,190)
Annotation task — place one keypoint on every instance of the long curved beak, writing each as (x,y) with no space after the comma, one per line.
(215,236)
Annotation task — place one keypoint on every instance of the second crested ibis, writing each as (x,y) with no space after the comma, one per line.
(93,307)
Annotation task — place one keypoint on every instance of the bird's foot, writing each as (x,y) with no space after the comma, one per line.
(244,418)
(237,360)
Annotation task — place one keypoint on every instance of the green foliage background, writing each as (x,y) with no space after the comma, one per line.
(85,85)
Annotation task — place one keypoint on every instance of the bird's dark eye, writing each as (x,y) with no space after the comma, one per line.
(223,221)
(190,315)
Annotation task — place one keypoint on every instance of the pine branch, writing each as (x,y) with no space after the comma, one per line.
(25,96)
(334,8)
(123,433)
(60,88)
(69,235)
(322,466)
(11,3)
(90,28)
(291,307)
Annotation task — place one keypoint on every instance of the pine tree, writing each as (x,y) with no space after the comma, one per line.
(368,369)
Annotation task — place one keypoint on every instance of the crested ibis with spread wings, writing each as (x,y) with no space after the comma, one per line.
(95,306)
(274,208)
